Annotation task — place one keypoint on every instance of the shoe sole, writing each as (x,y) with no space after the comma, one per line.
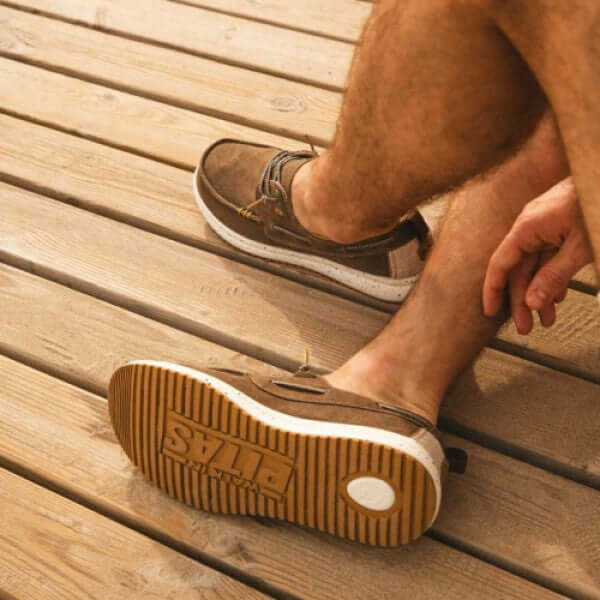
(386,289)
(212,447)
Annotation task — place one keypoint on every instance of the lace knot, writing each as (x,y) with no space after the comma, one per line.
(270,186)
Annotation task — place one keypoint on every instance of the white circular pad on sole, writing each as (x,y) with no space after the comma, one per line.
(371,493)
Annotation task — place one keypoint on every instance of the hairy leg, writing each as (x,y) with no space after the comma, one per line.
(435,95)
(561,43)
(441,327)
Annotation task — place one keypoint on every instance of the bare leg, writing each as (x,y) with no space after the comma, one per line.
(561,43)
(436,94)
(441,327)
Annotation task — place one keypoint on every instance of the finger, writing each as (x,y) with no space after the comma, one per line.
(506,257)
(548,315)
(561,296)
(519,280)
(545,257)
(553,278)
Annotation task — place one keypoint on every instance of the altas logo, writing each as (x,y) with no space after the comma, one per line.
(226,458)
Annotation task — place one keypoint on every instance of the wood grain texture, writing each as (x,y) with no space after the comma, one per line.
(339,19)
(537,522)
(129,188)
(192,289)
(51,548)
(278,105)
(150,128)
(81,339)
(571,343)
(287,108)
(95,337)
(145,126)
(235,304)
(266,48)
(69,422)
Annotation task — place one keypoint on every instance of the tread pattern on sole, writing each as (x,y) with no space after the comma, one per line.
(203,449)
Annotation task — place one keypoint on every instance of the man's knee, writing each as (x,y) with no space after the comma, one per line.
(543,13)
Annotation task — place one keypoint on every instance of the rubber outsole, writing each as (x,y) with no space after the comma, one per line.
(202,448)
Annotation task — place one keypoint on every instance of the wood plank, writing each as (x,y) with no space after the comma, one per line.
(44,232)
(144,193)
(192,289)
(570,344)
(274,104)
(576,352)
(340,19)
(51,548)
(171,76)
(44,329)
(148,127)
(586,280)
(298,56)
(534,521)
(203,294)
(531,412)
(169,134)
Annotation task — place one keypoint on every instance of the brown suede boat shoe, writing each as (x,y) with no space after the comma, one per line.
(244,190)
(290,448)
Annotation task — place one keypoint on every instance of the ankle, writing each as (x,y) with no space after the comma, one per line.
(318,210)
(384,381)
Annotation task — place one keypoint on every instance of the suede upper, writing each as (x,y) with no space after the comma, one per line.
(309,396)
(247,187)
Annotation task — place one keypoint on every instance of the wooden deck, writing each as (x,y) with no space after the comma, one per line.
(105,107)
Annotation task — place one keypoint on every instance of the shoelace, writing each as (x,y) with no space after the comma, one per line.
(305,370)
(270,186)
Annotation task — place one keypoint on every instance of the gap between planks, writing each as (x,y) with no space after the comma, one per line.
(445,529)
(239,96)
(316,61)
(94,93)
(190,552)
(204,329)
(508,339)
(92,555)
(342,20)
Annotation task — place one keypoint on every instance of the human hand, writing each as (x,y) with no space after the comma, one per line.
(546,246)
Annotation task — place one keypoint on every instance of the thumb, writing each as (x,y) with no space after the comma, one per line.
(552,279)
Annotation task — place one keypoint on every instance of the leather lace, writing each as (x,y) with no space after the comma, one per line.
(270,187)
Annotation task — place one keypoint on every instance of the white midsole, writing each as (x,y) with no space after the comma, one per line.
(387,289)
(425,450)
